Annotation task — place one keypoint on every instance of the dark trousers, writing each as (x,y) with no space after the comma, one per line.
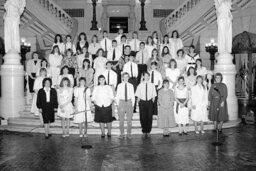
(142,68)
(31,83)
(155,104)
(133,81)
(146,109)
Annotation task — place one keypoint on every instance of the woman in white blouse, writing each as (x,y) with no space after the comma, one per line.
(172,74)
(33,65)
(200,70)
(103,97)
(99,65)
(55,59)
(150,45)
(181,61)
(94,46)
(59,42)
(175,43)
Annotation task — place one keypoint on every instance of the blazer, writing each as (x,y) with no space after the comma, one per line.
(41,99)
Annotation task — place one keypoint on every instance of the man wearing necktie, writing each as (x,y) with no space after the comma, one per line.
(125,100)
(105,43)
(142,58)
(134,43)
(157,80)
(114,54)
(123,43)
(146,94)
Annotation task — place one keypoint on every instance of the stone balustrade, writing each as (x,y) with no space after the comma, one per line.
(182,10)
(57,12)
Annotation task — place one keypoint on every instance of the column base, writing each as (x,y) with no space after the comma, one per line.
(12,86)
(228,70)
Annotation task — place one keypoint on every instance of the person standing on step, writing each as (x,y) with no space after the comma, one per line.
(105,43)
(157,80)
(181,107)
(82,106)
(69,45)
(199,104)
(99,65)
(111,80)
(58,41)
(142,58)
(37,86)
(134,43)
(65,95)
(146,93)
(132,69)
(114,54)
(192,57)
(125,100)
(218,110)
(103,97)
(123,44)
(82,42)
(47,103)
(166,100)
(118,37)
(94,46)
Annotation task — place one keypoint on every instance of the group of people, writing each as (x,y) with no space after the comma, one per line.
(76,80)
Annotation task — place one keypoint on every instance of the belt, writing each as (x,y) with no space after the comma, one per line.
(192,63)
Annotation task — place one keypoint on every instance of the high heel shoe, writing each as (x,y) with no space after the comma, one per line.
(109,135)
(103,136)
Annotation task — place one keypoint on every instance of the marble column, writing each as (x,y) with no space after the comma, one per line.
(94,20)
(132,19)
(143,22)
(104,18)
(12,72)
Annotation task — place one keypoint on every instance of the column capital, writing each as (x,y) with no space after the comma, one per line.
(142,2)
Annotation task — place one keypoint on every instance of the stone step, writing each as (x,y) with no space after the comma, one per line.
(96,131)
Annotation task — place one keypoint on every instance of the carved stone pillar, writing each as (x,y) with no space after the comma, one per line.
(143,22)
(132,18)
(94,21)
(104,18)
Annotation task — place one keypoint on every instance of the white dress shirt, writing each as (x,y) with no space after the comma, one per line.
(172,74)
(135,45)
(112,76)
(93,48)
(131,68)
(121,47)
(55,60)
(141,91)
(120,93)
(158,80)
(142,56)
(102,95)
(47,92)
(104,42)
(118,54)
(118,39)
(32,67)
(71,46)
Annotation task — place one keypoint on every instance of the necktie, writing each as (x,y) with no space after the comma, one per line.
(142,54)
(152,77)
(108,77)
(105,45)
(35,62)
(123,49)
(114,54)
(146,92)
(125,92)
(131,71)
(135,47)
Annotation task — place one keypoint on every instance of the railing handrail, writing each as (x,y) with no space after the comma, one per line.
(55,9)
(179,12)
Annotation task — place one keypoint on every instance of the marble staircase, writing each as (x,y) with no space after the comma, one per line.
(28,122)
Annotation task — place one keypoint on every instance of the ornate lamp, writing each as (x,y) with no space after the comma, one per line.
(211,48)
(25,47)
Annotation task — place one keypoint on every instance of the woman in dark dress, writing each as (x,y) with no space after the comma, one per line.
(218,111)
(47,104)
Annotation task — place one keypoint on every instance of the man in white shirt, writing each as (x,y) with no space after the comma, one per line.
(118,38)
(134,43)
(142,58)
(146,93)
(157,80)
(106,43)
(123,43)
(110,75)
(125,100)
(114,54)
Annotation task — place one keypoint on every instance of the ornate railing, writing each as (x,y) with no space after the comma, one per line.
(57,12)
(177,14)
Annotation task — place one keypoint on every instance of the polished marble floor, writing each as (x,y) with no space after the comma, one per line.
(25,151)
